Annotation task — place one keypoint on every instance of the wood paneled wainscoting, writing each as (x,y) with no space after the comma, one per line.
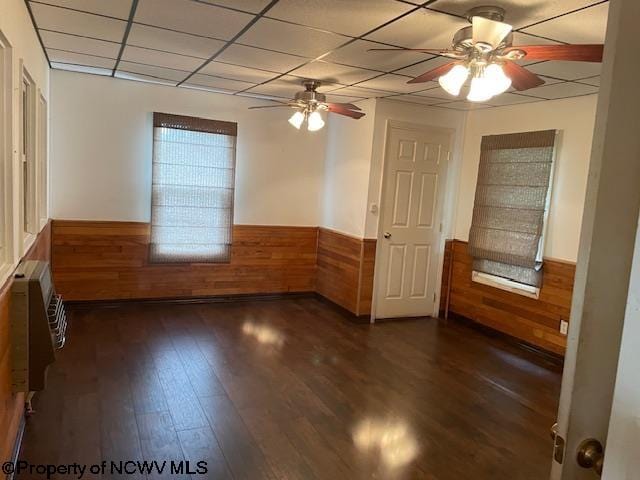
(535,321)
(12,405)
(110,261)
(345,270)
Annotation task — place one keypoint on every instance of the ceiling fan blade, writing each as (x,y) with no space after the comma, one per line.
(489,31)
(433,74)
(576,53)
(521,78)
(349,106)
(344,111)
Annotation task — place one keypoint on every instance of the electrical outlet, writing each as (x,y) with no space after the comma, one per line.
(564,327)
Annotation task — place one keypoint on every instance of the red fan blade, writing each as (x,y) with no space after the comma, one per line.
(435,73)
(344,111)
(521,78)
(349,106)
(575,53)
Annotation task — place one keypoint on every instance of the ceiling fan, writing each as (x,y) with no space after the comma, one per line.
(485,52)
(309,104)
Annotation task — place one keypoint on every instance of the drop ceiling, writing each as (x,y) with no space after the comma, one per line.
(264,48)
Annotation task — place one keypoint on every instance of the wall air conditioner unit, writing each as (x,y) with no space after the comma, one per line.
(38,326)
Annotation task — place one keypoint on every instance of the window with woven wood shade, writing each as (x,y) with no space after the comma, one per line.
(192,189)
(511,202)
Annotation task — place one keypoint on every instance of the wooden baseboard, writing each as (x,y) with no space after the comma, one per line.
(550,358)
(249,297)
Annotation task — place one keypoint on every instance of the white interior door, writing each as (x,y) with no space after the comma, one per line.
(416,161)
(603,272)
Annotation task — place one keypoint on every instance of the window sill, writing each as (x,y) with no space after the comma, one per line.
(505,284)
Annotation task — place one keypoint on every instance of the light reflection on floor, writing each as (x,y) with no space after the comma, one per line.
(263,333)
(391,439)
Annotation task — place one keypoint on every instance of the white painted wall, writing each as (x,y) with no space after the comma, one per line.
(16,27)
(575,119)
(347,167)
(101,146)
(388,110)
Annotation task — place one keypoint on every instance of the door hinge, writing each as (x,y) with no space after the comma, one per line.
(434,297)
(558,444)
(440,227)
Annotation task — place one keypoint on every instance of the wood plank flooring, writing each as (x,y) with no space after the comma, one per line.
(290,389)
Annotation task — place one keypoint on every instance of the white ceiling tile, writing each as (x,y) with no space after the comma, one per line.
(82,69)
(260,96)
(423,67)
(561,90)
(519,13)
(436,91)
(110,8)
(342,16)
(392,83)
(237,72)
(143,78)
(204,88)
(162,59)
(219,83)
(78,23)
(510,99)
(153,71)
(595,81)
(72,43)
(360,92)
(342,98)
(420,29)
(285,37)
(357,54)
(174,42)
(566,70)
(585,26)
(192,17)
(286,87)
(254,6)
(258,58)
(60,56)
(416,99)
(330,72)
(464,105)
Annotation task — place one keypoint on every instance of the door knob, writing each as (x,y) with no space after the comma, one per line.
(591,455)
(387,235)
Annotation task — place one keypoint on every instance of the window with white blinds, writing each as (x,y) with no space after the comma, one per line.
(192,192)
(511,204)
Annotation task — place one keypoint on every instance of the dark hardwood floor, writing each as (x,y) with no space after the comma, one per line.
(290,389)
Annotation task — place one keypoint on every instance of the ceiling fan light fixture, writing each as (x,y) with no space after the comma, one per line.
(297,119)
(453,80)
(497,79)
(315,121)
(481,89)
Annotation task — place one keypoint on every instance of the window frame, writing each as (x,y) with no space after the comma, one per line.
(42,156)
(6,159)
(513,286)
(27,151)
(195,125)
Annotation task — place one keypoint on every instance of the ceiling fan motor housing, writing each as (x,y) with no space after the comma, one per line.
(309,95)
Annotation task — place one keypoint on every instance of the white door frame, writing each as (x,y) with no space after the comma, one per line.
(606,250)
(420,127)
